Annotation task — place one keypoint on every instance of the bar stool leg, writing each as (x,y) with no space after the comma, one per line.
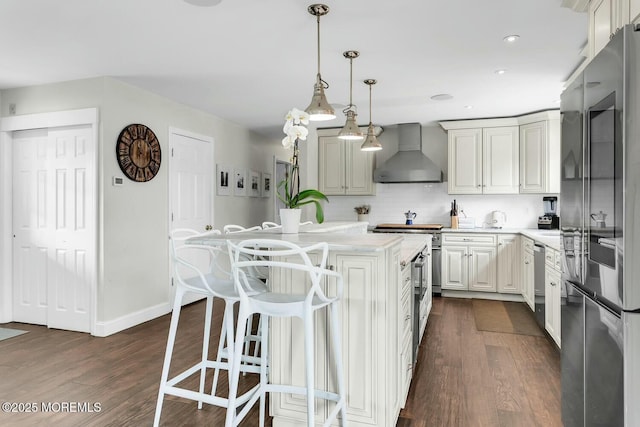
(264,326)
(224,333)
(336,338)
(173,328)
(234,366)
(309,366)
(205,345)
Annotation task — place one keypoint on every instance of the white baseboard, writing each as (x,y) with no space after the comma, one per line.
(110,327)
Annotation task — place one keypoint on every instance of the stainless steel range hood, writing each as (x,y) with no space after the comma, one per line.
(409,164)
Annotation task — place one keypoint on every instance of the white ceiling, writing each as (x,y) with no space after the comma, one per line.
(250,61)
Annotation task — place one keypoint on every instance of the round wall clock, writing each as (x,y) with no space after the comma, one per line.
(138,152)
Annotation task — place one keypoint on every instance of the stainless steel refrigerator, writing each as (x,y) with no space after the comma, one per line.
(600,228)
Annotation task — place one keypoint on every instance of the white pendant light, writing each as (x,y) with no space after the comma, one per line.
(319,109)
(371,143)
(351,131)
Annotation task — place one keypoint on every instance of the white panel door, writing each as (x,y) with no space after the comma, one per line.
(54,227)
(31,231)
(465,161)
(191,182)
(482,268)
(191,190)
(500,170)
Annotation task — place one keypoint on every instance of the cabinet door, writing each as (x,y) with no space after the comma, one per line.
(528,280)
(508,262)
(482,268)
(552,303)
(454,267)
(533,157)
(359,169)
(465,161)
(634,11)
(600,24)
(287,347)
(500,169)
(331,159)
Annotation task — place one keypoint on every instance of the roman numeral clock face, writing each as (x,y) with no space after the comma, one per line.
(138,152)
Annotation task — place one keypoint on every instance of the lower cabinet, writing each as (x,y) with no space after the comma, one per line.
(508,265)
(527,278)
(469,262)
(376,358)
(552,299)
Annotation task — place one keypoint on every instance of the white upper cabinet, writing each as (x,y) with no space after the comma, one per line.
(500,160)
(483,160)
(601,24)
(343,168)
(465,161)
(540,156)
(606,17)
(634,11)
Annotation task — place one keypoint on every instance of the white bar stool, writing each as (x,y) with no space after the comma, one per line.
(214,283)
(233,228)
(260,253)
(268,224)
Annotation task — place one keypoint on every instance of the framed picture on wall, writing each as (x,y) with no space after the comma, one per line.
(254,184)
(240,182)
(223,180)
(266,184)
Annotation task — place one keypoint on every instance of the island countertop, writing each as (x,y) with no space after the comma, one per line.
(339,237)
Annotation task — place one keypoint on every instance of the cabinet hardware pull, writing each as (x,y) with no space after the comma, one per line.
(408,317)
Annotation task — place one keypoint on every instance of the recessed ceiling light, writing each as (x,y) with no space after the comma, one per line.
(511,38)
(468,107)
(500,71)
(441,97)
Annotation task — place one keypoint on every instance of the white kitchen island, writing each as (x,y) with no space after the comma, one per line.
(375,314)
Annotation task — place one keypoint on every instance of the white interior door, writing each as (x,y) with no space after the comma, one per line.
(191,186)
(54,226)
(191,181)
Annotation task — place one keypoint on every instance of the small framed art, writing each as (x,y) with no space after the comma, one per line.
(223,180)
(266,184)
(240,182)
(254,184)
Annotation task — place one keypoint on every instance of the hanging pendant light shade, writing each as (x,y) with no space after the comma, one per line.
(351,131)
(319,109)
(371,143)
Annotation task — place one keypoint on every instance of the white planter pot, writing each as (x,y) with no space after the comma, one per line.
(290,220)
(363,217)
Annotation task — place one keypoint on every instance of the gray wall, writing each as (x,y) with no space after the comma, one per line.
(133,223)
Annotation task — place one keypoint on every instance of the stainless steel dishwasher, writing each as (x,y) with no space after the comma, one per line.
(538,283)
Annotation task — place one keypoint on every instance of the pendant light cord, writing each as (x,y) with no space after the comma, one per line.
(320,81)
(370,122)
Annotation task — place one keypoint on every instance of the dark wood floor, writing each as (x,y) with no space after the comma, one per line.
(464,377)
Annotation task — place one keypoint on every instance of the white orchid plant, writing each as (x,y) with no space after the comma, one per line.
(291,196)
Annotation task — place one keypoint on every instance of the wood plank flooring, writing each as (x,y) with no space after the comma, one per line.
(463,378)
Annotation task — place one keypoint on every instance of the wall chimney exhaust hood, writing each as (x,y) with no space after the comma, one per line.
(409,164)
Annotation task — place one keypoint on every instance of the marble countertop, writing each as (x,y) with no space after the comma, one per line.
(363,242)
(412,244)
(550,238)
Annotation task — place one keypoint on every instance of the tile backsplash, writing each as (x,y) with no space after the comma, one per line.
(432,204)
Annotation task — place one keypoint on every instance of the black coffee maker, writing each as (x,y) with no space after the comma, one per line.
(549,221)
